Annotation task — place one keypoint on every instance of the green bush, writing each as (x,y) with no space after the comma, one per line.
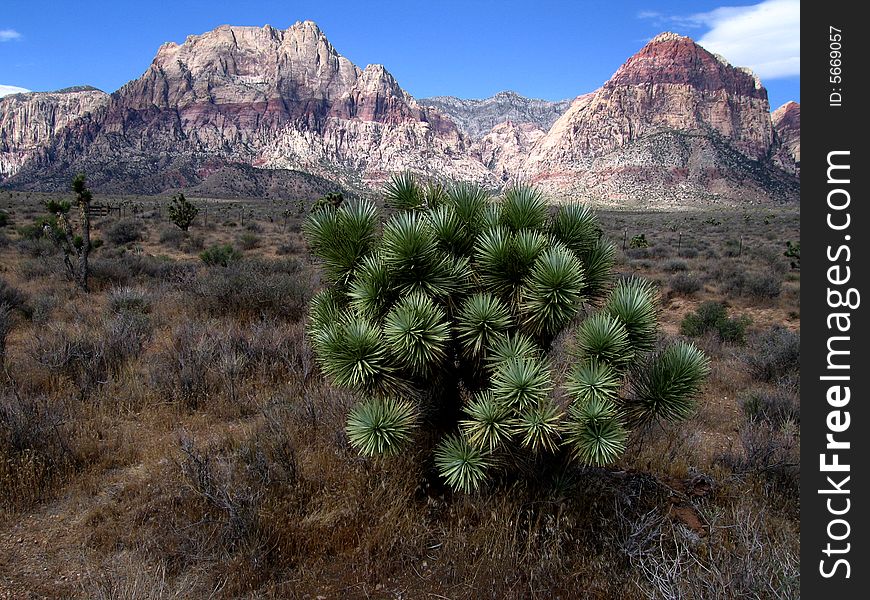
(685,284)
(125,231)
(454,302)
(220,254)
(181,212)
(713,316)
(638,241)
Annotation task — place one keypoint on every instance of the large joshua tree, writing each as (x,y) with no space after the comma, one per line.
(443,316)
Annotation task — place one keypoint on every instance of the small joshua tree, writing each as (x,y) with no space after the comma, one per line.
(443,316)
(182,212)
(76,248)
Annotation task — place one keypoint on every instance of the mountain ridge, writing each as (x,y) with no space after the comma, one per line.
(673,114)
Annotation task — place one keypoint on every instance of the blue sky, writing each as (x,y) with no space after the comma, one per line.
(471,49)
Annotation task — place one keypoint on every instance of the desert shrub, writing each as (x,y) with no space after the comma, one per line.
(455,303)
(181,370)
(4,240)
(738,282)
(44,227)
(688,252)
(123,338)
(129,299)
(4,218)
(172,237)
(253,288)
(126,268)
(15,299)
(661,251)
(733,248)
(5,327)
(35,450)
(638,241)
(289,247)
(685,284)
(126,231)
(774,407)
(763,285)
(793,252)
(775,355)
(74,351)
(181,212)
(248,240)
(713,316)
(220,255)
(254,227)
(675,266)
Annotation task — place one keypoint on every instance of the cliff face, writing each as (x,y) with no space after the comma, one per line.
(476,118)
(674,124)
(29,121)
(787,125)
(262,97)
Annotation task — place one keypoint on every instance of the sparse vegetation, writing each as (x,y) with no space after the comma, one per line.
(712,316)
(170,434)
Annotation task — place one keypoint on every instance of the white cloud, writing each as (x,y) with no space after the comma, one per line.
(764,37)
(5,90)
(7,35)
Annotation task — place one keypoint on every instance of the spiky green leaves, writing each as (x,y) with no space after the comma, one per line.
(593,381)
(604,339)
(462,291)
(666,384)
(523,207)
(594,433)
(342,237)
(402,192)
(462,465)
(489,422)
(538,427)
(373,290)
(380,426)
(481,318)
(410,252)
(514,345)
(553,292)
(522,383)
(417,334)
(634,302)
(353,354)
(597,268)
(575,226)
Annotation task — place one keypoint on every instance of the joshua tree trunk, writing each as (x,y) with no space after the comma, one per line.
(73,251)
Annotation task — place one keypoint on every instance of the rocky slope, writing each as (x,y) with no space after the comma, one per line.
(258,96)
(787,124)
(673,126)
(249,110)
(29,121)
(476,118)
(504,149)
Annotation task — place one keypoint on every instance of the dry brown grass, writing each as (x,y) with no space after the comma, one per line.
(174,439)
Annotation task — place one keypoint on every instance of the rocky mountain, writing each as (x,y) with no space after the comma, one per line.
(29,121)
(249,111)
(674,125)
(787,124)
(264,97)
(476,118)
(504,149)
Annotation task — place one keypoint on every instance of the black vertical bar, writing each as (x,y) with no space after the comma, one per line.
(835,419)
